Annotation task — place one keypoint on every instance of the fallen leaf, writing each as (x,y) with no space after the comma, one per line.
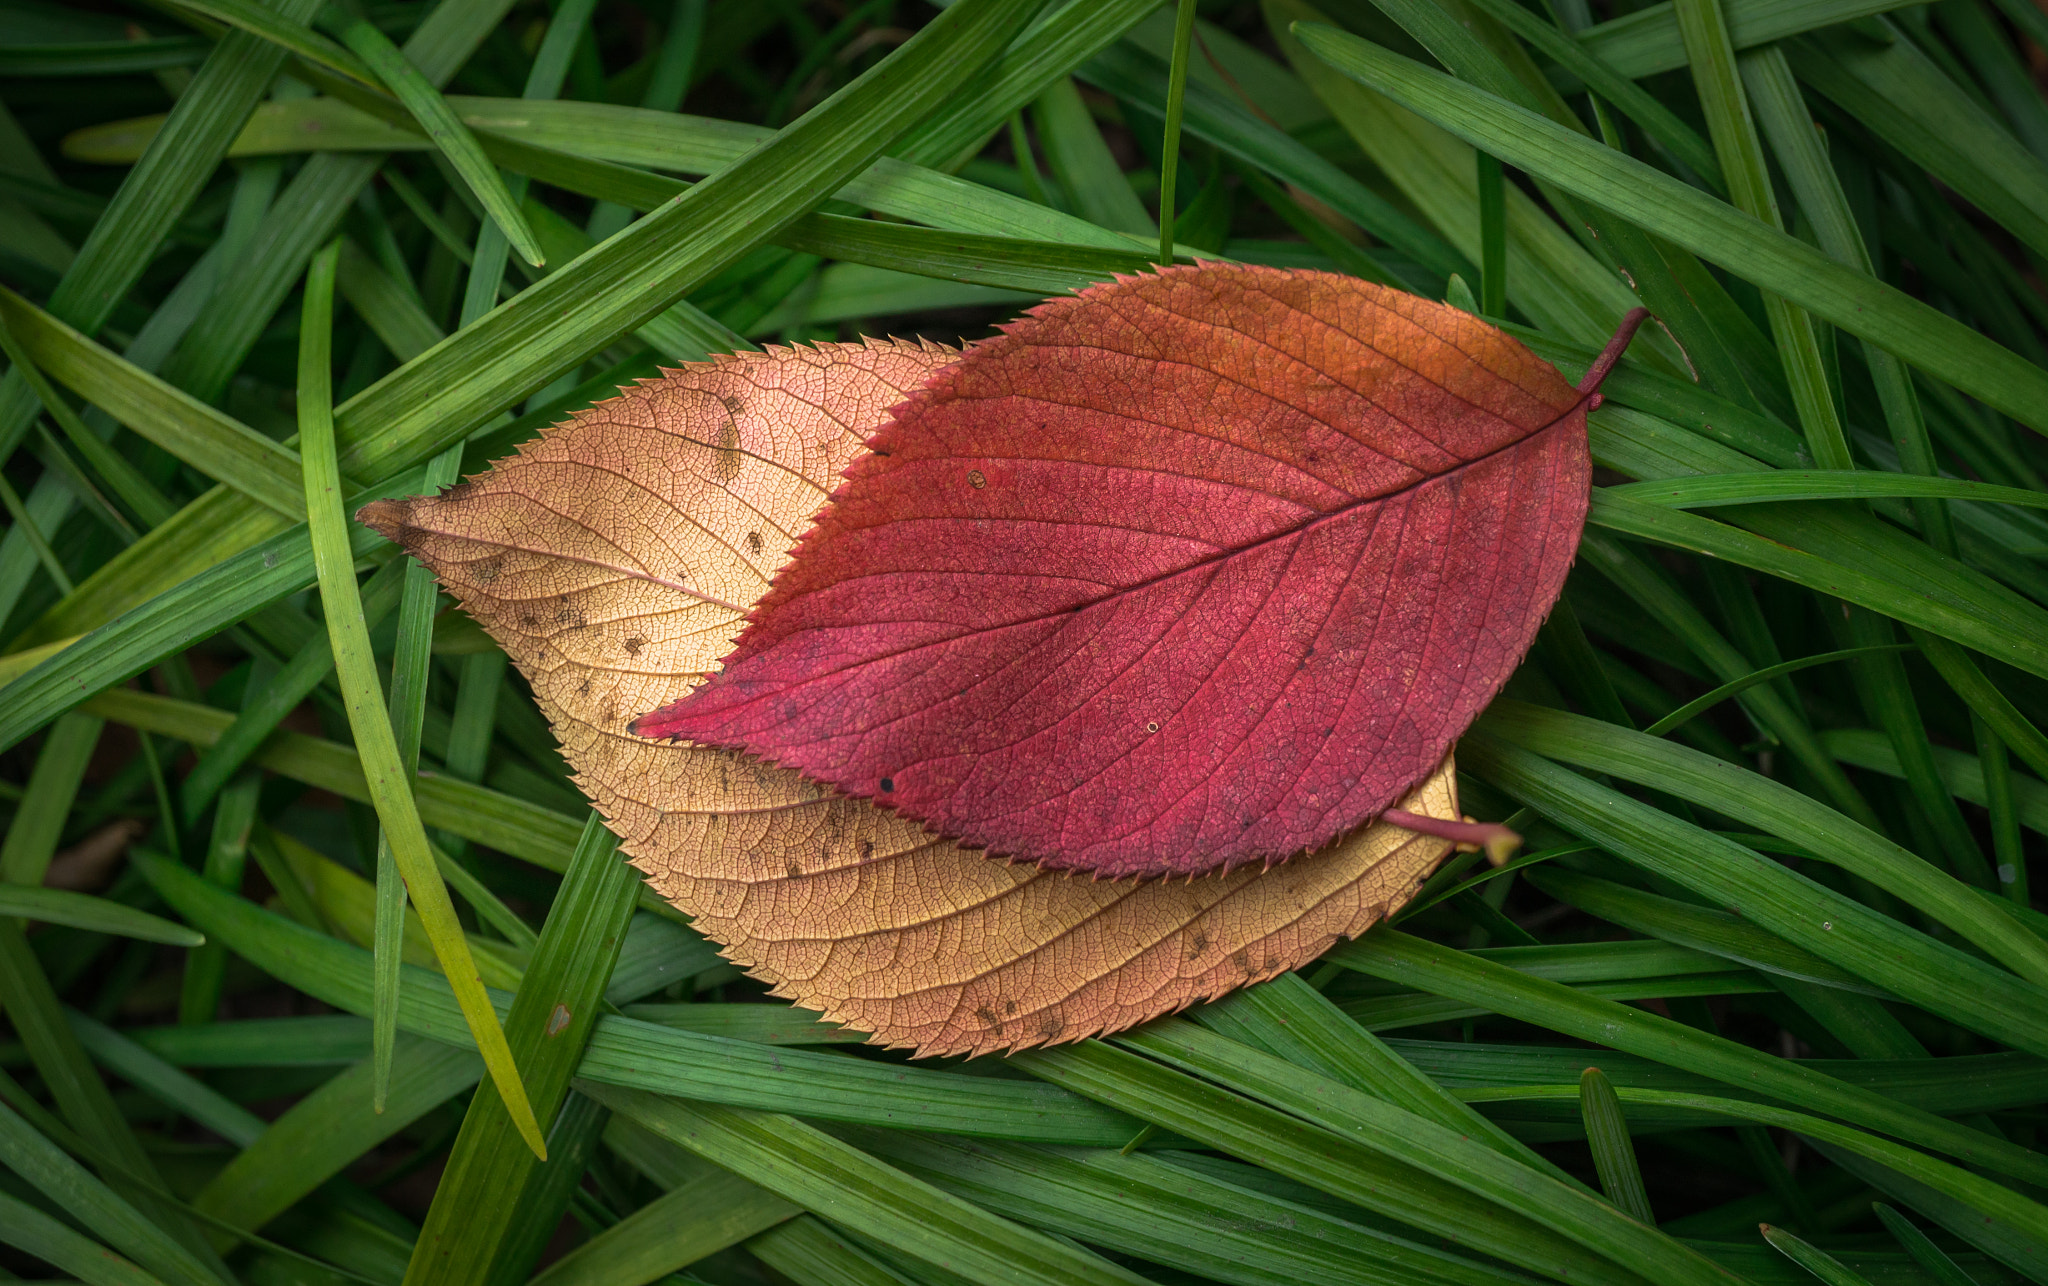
(615,557)
(1195,569)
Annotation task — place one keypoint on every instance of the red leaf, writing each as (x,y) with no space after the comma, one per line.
(1193,570)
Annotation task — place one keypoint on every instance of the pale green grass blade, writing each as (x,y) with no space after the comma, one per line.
(1662,205)
(389,782)
(83,911)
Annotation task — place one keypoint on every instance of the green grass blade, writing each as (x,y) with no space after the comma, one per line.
(1329,1162)
(284,33)
(644,1056)
(185,1093)
(211,442)
(1576,57)
(669,1233)
(156,193)
(1648,40)
(83,911)
(1568,1209)
(29,1229)
(1735,877)
(389,782)
(809,1253)
(328,1130)
(446,130)
(1818,1262)
(36,827)
(1701,928)
(1904,97)
(1966,607)
(1614,1153)
(1083,163)
(1662,205)
(45,1167)
(552,1016)
(1173,1214)
(1176,95)
(1290,1019)
(811,1169)
(1708,700)
(1921,1247)
(227,853)
(1797,484)
(1994,707)
(1415,962)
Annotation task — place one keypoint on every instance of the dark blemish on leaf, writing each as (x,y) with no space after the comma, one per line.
(1197,944)
(528,621)
(485,570)
(796,871)
(888,785)
(1050,1027)
(558,1020)
(753,542)
(1242,958)
(583,688)
(733,406)
(728,466)
(977,479)
(1009,1007)
(867,849)
(988,1017)
(634,644)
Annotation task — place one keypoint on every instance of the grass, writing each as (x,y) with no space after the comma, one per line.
(1765,998)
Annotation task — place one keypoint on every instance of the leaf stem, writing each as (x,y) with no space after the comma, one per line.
(1169,152)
